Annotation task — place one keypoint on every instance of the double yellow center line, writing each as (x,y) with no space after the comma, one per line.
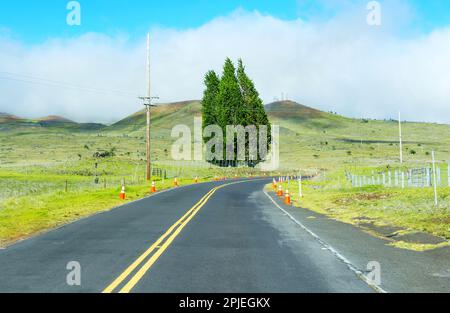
(159,246)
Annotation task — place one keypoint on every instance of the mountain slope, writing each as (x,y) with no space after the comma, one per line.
(9,122)
(164,116)
(308,137)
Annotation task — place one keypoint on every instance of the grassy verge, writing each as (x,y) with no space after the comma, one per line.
(412,209)
(26,216)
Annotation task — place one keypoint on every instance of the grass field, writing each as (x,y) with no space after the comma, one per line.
(51,172)
(410,209)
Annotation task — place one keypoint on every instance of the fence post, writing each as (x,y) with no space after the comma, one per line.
(438,175)
(403,179)
(434,180)
(448,173)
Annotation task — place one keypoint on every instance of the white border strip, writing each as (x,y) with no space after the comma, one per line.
(330,248)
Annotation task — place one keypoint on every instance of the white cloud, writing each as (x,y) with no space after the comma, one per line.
(339,64)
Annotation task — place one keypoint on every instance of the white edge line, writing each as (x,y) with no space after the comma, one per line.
(329,248)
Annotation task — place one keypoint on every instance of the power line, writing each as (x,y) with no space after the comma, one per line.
(54,83)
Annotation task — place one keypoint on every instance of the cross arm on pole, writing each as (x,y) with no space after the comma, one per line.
(148,100)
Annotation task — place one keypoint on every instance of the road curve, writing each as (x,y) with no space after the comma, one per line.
(211,237)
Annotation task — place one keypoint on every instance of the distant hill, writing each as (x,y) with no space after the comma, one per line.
(290,109)
(8,118)
(164,116)
(55,119)
(308,137)
(12,122)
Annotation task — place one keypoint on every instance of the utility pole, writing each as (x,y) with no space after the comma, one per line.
(400,136)
(148,104)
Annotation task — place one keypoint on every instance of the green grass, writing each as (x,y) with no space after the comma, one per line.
(22,217)
(36,161)
(410,208)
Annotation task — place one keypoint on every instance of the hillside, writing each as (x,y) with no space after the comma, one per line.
(308,137)
(9,122)
(163,116)
(324,140)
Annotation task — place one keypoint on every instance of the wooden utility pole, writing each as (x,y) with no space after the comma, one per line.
(148,104)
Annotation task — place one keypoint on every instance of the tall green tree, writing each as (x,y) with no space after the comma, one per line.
(209,106)
(232,99)
(255,113)
(229,97)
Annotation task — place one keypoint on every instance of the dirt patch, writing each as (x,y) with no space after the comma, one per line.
(363,219)
(420,238)
(364,196)
(385,231)
(440,220)
(399,234)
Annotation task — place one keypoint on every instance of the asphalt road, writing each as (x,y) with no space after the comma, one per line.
(197,238)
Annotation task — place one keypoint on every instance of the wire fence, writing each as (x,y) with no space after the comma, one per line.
(69,178)
(423,177)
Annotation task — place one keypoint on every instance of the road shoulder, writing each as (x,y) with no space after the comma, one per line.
(401,270)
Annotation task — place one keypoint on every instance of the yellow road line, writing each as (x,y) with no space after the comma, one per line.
(144,269)
(181,223)
(141,258)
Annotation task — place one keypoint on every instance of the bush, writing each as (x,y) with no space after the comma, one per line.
(105,154)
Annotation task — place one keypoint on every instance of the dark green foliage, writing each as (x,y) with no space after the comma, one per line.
(209,98)
(233,99)
(229,101)
(105,154)
(255,114)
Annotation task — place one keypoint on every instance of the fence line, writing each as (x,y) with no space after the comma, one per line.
(424,177)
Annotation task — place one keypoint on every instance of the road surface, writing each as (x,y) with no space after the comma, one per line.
(211,237)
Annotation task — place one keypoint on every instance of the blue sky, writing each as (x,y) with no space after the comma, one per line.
(35,21)
(330,59)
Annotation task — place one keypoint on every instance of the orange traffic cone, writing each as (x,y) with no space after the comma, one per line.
(287,198)
(274,184)
(122,193)
(196,179)
(175,182)
(153,188)
(280,191)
